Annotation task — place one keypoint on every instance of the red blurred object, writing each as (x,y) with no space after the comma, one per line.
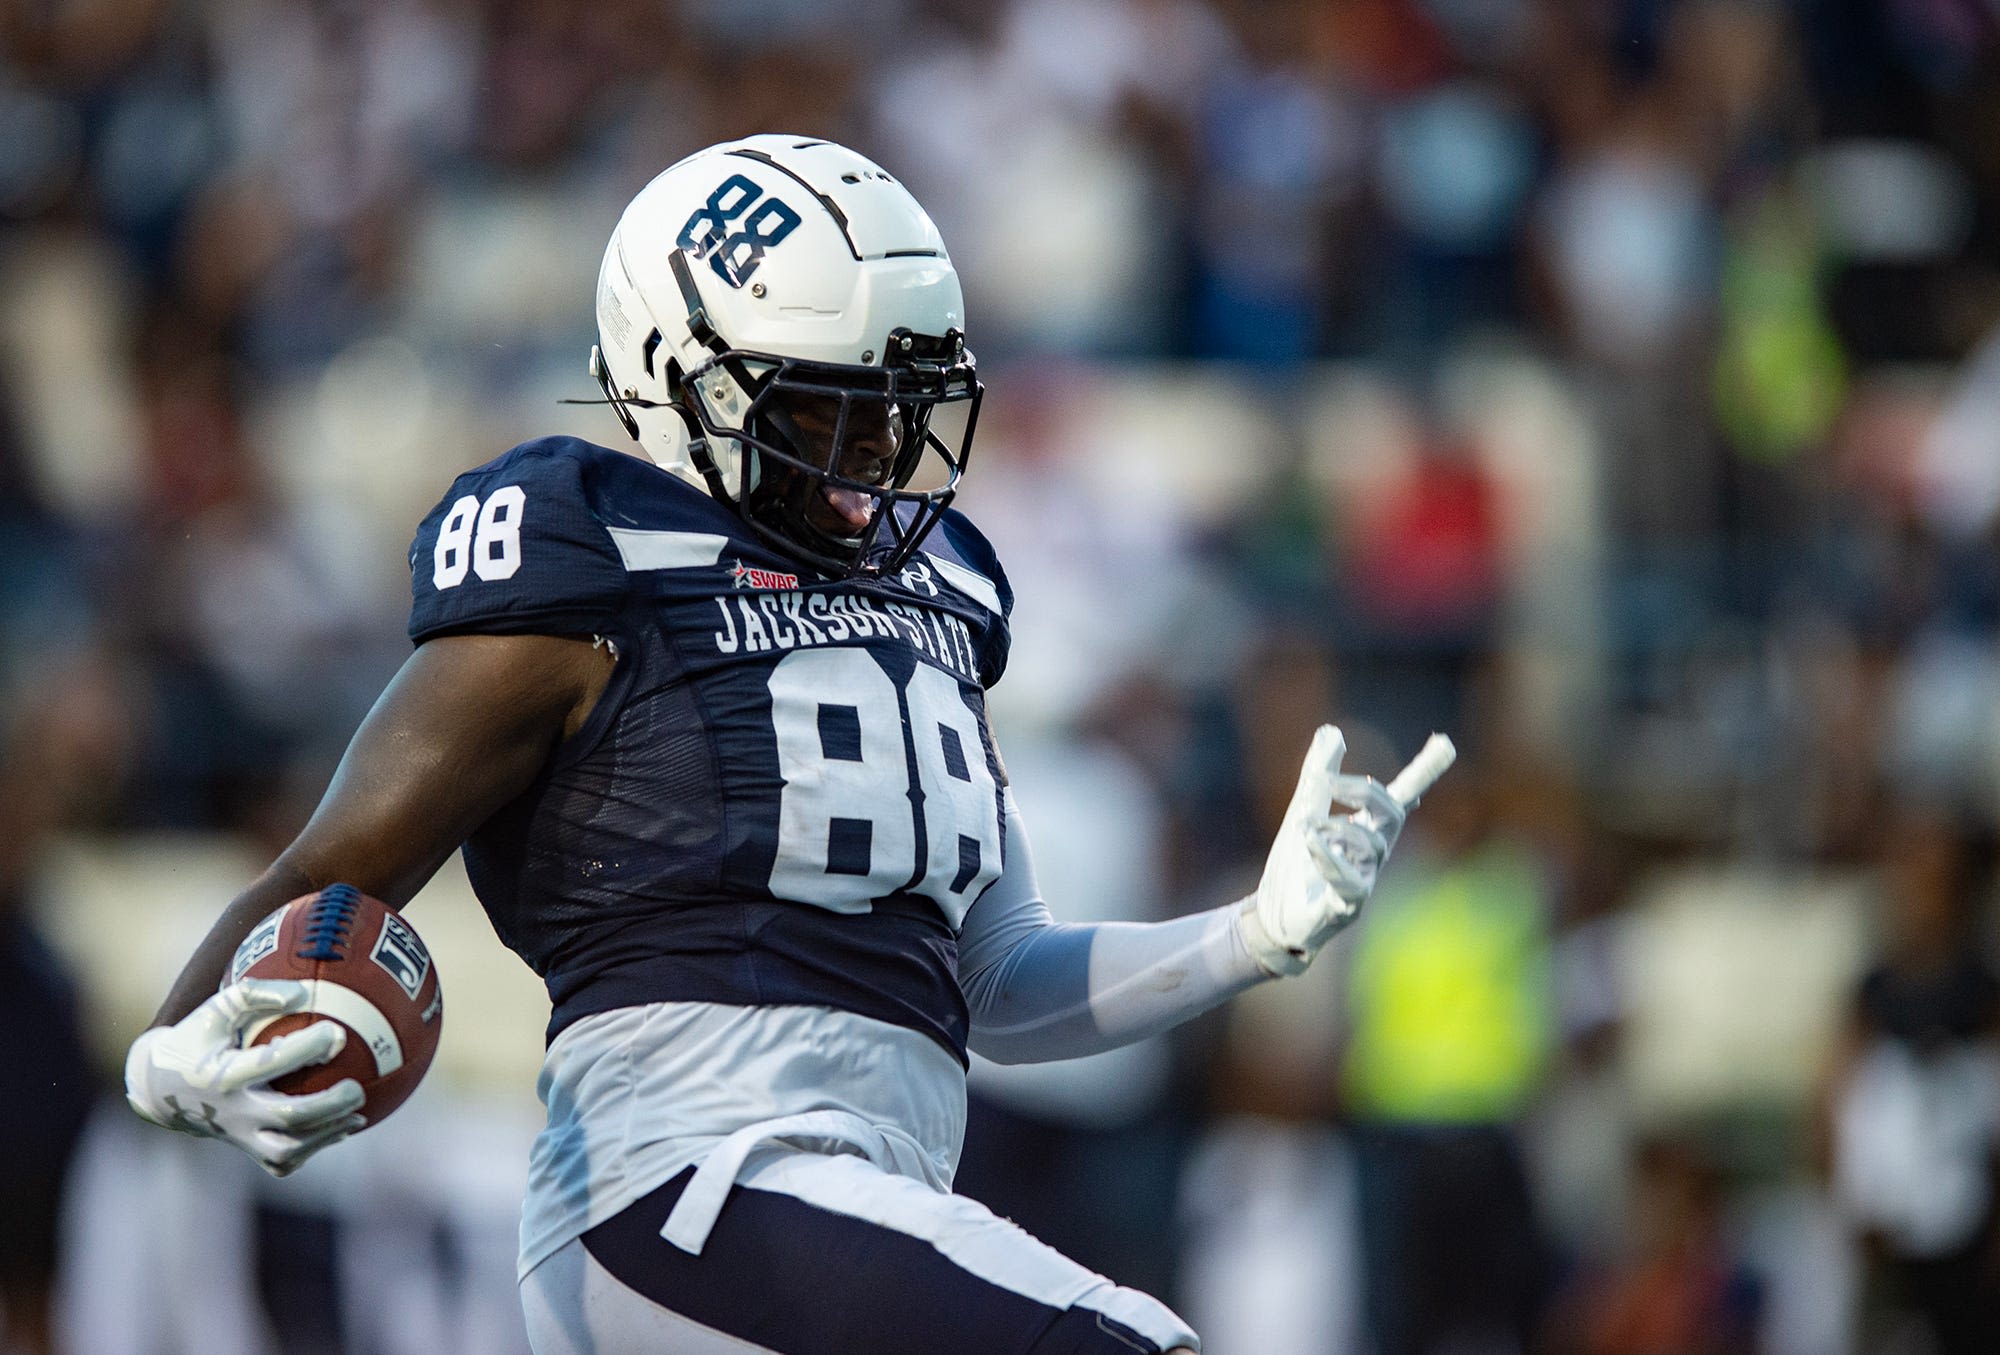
(1426,554)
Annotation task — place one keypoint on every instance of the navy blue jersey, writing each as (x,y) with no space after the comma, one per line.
(787,794)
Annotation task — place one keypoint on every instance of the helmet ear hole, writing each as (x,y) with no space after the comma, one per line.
(651,346)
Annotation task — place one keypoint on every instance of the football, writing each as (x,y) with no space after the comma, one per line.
(367,969)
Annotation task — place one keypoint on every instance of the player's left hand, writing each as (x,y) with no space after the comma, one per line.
(1322,867)
(195,1077)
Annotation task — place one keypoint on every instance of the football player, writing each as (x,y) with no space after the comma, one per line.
(709,726)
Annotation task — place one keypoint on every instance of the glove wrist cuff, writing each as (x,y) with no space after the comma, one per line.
(138,1066)
(1272,956)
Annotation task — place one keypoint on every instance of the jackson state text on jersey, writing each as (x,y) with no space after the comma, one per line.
(787,794)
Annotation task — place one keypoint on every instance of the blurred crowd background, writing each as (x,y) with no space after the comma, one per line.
(1614,384)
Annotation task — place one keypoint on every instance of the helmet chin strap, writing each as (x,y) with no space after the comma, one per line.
(698,452)
(711,474)
(704,460)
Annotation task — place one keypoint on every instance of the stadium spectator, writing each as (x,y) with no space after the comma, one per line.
(1916,1098)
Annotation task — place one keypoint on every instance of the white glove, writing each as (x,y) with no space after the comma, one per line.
(194,1077)
(1322,866)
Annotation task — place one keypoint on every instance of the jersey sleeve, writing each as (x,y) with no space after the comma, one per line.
(514,548)
(1038,990)
(972,552)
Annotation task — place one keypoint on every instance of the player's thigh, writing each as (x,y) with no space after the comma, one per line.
(574,1306)
(828,1256)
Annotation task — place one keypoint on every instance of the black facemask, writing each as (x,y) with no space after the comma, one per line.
(812,427)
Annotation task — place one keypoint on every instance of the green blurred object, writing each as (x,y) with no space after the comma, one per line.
(1780,372)
(1449,999)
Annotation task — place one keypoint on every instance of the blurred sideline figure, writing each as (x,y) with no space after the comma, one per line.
(1449,1036)
(711,731)
(1681,1287)
(1914,1106)
(68,739)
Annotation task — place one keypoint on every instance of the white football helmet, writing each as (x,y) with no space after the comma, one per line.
(777,320)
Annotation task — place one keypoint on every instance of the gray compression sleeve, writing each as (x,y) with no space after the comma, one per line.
(1039,989)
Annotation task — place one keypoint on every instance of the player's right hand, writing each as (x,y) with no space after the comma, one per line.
(194,1076)
(1322,866)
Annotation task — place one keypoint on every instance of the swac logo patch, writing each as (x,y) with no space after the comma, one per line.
(744,576)
(399,952)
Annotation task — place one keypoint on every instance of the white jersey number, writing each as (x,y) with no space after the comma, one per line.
(481,540)
(846,823)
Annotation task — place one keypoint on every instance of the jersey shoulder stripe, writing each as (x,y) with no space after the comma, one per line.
(972,583)
(970,562)
(649,548)
(966,560)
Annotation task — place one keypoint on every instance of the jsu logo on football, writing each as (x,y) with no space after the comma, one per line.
(402,954)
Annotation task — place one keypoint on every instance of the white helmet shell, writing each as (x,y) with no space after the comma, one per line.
(788,246)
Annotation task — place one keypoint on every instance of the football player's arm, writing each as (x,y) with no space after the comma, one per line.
(1040,990)
(462,728)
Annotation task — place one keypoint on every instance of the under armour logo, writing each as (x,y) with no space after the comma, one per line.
(917,577)
(203,1125)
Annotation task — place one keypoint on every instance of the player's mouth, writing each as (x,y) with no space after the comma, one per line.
(844,512)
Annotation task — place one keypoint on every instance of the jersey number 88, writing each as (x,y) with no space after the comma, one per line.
(849,746)
(484,540)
